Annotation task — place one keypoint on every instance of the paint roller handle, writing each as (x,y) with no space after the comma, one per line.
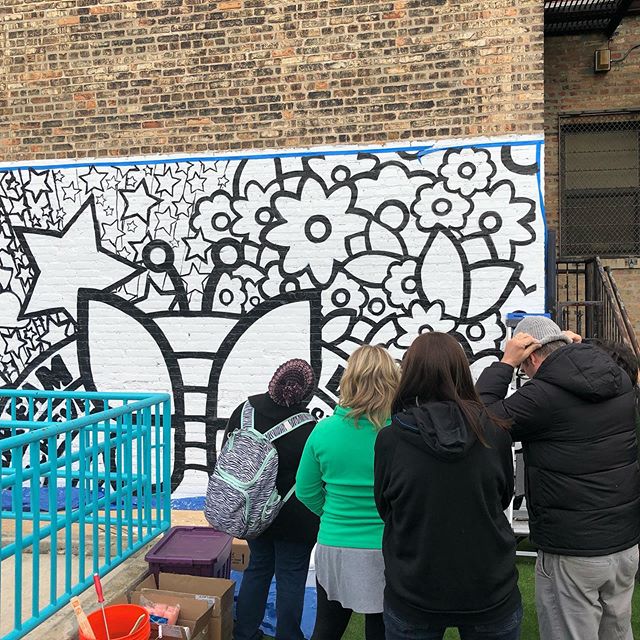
(98,585)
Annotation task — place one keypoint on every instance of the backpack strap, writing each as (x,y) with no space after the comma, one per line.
(246,419)
(288,425)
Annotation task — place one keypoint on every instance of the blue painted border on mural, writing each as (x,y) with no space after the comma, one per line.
(197,502)
(420,149)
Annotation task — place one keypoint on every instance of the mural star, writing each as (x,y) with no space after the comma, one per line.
(64,263)
(93,179)
(112,233)
(13,342)
(24,275)
(12,184)
(197,246)
(183,207)
(223,181)
(194,280)
(196,183)
(70,192)
(128,254)
(166,181)
(184,168)
(139,202)
(37,184)
(165,221)
(111,182)
(9,205)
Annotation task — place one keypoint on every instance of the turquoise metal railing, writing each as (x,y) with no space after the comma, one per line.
(85,482)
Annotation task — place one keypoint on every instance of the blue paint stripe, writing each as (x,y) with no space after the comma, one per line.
(543,211)
(421,150)
(195,503)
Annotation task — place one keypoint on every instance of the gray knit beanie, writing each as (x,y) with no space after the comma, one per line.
(543,329)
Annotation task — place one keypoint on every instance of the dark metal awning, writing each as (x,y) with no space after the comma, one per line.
(562,17)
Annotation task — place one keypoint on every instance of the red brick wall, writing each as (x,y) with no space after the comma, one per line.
(88,77)
(571,85)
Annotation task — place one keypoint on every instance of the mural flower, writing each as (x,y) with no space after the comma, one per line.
(479,334)
(254,210)
(332,169)
(344,295)
(504,218)
(313,228)
(230,294)
(214,217)
(401,282)
(435,205)
(422,319)
(467,170)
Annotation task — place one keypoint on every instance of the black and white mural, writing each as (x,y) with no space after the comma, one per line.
(199,276)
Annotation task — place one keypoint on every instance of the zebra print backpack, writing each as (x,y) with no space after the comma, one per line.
(242,499)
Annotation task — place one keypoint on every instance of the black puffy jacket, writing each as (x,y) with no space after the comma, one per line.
(575,419)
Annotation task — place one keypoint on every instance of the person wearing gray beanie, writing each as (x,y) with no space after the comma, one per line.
(575,419)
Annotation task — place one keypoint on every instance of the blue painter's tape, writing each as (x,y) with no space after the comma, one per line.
(420,149)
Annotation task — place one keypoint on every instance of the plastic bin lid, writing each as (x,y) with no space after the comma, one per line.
(189,545)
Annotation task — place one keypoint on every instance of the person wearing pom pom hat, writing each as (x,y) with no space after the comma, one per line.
(284,549)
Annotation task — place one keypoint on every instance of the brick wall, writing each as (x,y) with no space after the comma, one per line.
(95,78)
(571,86)
(184,276)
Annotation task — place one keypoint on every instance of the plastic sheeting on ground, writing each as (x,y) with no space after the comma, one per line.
(269,623)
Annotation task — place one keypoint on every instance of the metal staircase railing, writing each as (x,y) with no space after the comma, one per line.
(588,302)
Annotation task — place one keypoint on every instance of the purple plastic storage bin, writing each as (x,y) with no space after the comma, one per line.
(194,551)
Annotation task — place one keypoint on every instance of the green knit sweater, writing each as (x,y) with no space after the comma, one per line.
(335,480)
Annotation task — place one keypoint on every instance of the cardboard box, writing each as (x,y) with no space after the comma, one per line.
(195,615)
(239,554)
(216,592)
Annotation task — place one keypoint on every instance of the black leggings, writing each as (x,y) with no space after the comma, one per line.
(332,620)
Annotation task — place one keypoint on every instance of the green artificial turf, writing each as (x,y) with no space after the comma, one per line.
(355,630)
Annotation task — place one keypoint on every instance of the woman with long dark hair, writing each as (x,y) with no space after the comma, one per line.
(443,478)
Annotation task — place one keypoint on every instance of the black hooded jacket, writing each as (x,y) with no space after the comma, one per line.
(575,419)
(449,550)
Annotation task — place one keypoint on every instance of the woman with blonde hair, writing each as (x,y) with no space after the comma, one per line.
(335,481)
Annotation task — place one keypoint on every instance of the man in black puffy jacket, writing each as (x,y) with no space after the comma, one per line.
(575,418)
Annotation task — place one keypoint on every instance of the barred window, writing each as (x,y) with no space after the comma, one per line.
(600,186)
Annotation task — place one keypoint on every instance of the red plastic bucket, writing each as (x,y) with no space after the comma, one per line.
(120,619)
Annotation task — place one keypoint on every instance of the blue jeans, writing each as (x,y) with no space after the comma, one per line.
(289,561)
(506,629)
